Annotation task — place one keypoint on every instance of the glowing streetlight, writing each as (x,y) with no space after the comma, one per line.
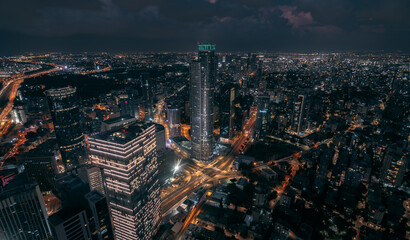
(177,166)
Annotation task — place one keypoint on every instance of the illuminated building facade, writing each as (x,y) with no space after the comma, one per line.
(65,113)
(128,158)
(18,114)
(202,88)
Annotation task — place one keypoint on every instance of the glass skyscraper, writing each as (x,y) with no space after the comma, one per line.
(174,118)
(65,113)
(227,113)
(202,88)
(128,158)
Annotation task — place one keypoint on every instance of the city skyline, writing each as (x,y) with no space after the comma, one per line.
(126,26)
(205,119)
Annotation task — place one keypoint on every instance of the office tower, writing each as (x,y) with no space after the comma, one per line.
(148,99)
(43,169)
(160,137)
(70,224)
(100,224)
(262,117)
(202,87)
(71,190)
(22,211)
(84,214)
(174,118)
(65,113)
(227,113)
(128,158)
(300,114)
(126,105)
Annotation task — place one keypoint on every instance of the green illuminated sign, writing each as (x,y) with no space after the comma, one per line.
(206,47)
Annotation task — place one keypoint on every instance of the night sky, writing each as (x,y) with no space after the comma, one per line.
(176,25)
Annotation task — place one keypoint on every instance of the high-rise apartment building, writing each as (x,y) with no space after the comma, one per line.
(128,158)
(65,113)
(22,211)
(202,88)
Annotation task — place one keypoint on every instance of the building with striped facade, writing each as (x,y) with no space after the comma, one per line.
(128,158)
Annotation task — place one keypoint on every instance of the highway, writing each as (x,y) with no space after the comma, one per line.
(15,84)
(10,92)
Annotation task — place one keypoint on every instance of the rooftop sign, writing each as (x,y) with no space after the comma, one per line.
(206,47)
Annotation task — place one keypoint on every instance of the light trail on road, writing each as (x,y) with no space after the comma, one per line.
(205,172)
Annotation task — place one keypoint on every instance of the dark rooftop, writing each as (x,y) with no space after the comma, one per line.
(118,119)
(123,134)
(62,215)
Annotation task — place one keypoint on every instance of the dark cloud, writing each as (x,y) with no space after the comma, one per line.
(143,25)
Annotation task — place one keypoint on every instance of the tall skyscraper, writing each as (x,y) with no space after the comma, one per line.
(262,117)
(65,113)
(174,118)
(148,99)
(227,112)
(202,88)
(22,211)
(126,105)
(128,158)
(300,114)
(100,223)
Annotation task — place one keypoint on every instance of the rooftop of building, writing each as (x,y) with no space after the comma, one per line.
(70,181)
(123,134)
(60,91)
(62,216)
(16,184)
(159,127)
(94,196)
(119,119)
